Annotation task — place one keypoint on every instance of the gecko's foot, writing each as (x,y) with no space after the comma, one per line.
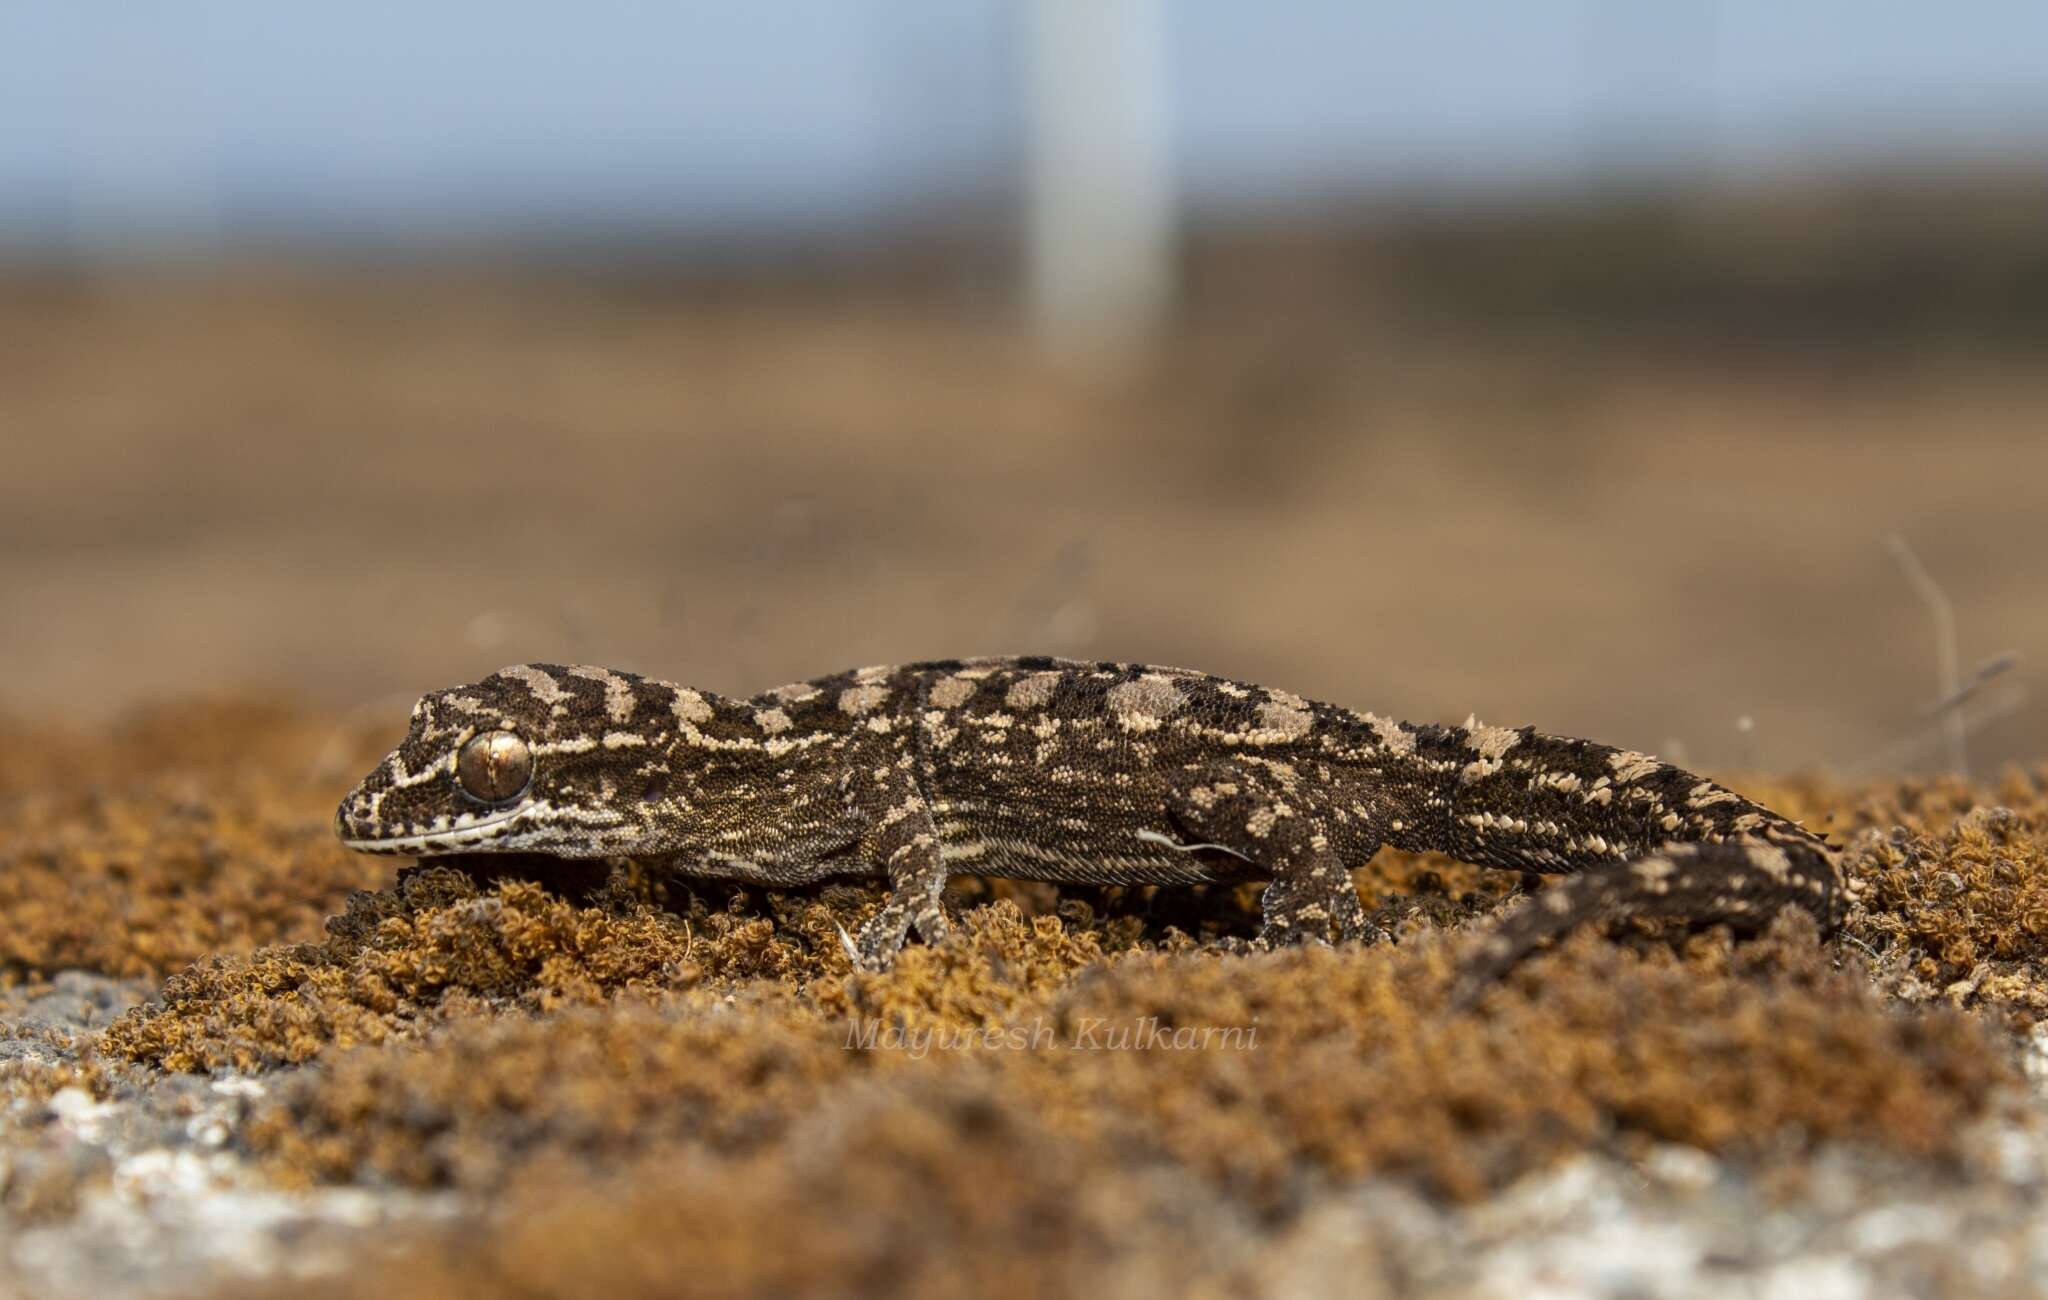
(875,948)
(1316,905)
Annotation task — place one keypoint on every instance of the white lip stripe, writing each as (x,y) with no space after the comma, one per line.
(438,839)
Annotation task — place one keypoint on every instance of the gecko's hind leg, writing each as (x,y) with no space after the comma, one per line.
(1271,822)
(906,847)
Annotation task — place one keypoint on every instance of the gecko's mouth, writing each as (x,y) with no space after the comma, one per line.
(451,839)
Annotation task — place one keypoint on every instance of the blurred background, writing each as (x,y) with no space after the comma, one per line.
(1571,362)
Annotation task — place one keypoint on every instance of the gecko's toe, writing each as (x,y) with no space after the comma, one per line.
(932,927)
(1273,937)
(875,948)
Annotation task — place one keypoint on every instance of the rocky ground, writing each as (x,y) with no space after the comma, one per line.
(233,1053)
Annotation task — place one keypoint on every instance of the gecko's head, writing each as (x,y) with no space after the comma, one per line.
(535,758)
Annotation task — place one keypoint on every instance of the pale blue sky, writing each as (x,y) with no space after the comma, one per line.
(387,121)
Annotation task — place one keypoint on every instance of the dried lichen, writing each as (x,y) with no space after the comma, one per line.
(441,946)
(182,833)
(1342,1064)
(472,1028)
(1963,911)
(795,1166)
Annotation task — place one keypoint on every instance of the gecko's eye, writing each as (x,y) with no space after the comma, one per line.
(494,766)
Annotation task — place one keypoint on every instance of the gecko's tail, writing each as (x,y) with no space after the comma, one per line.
(1739,882)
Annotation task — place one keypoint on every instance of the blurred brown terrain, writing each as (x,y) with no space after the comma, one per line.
(1620,469)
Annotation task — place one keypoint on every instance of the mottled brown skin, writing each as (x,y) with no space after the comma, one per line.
(1050,769)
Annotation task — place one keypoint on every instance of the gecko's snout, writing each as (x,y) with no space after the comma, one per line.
(356,823)
(352,819)
(371,815)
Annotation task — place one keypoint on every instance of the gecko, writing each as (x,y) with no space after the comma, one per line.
(1058,770)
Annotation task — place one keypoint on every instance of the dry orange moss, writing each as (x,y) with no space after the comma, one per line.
(487,1097)
(1964,911)
(441,946)
(471,1030)
(1344,1064)
(785,1164)
(184,832)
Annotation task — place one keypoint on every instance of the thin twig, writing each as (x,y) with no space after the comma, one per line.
(1911,745)
(1979,676)
(1948,657)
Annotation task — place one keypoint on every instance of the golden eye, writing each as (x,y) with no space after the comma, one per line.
(494,767)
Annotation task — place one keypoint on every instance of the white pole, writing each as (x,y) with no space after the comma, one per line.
(1100,192)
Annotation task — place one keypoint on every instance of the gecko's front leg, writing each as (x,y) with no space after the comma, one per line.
(904,843)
